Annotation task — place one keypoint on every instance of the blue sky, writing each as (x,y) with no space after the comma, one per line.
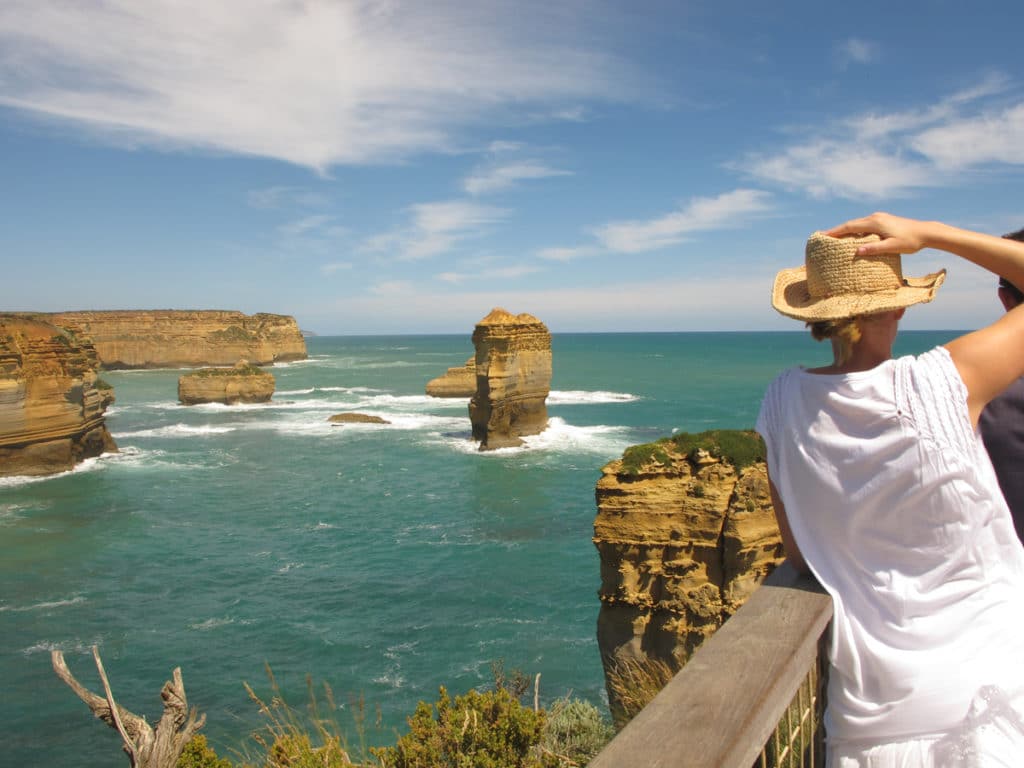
(383,166)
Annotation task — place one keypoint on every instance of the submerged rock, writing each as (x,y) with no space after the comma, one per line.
(51,409)
(356,418)
(243,383)
(513,379)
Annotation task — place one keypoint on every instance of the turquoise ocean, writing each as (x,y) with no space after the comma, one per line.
(384,560)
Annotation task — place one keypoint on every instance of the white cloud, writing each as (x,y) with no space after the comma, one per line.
(498,273)
(500,177)
(857,51)
(568,254)
(436,228)
(315,83)
(728,210)
(876,155)
(281,196)
(337,266)
(992,137)
(304,225)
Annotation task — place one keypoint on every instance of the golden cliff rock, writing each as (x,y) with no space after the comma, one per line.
(51,403)
(455,382)
(685,531)
(185,338)
(513,379)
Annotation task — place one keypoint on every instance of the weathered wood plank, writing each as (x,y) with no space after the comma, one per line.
(722,706)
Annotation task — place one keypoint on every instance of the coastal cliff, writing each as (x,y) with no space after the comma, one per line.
(185,338)
(513,379)
(51,409)
(685,531)
(243,383)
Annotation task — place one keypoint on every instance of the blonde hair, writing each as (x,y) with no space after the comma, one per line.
(844,333)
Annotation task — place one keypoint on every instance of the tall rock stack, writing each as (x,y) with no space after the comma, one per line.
(684,538)
(51,409)
(168,338)
(513,379)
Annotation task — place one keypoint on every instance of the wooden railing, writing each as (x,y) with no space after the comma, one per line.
(752,694)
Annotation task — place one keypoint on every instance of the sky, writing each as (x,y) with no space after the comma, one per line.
(405,166)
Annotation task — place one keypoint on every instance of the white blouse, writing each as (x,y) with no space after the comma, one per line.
(895,507)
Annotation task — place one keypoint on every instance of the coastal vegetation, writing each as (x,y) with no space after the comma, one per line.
(741,448)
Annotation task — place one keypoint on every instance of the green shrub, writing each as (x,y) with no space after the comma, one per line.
(741,448)
(198,754)
(576,730)
(477,730)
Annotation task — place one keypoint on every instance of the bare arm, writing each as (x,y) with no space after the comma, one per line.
(793,554)
(989,359)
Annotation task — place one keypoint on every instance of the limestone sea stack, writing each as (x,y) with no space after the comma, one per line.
(185,338)
(686,531)
(243,383)
(455,382)
(51,403)
(513,379)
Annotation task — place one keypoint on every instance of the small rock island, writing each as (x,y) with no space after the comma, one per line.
(244,383)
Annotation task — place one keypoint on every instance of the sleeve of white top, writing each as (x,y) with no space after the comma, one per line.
(930,392)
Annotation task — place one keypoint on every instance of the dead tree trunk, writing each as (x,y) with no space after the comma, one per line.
(145,747)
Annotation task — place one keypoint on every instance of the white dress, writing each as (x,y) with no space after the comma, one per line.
(895,507)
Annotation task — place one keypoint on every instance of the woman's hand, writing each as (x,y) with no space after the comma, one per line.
(898,235)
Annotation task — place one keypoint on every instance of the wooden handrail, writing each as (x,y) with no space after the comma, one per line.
(723,705)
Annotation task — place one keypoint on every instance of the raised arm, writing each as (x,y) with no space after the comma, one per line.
(989,359)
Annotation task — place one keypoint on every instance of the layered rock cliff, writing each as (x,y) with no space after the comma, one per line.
(513,379)
(686,531)
(51,410)
(243,383)
(455,382)
(185,338)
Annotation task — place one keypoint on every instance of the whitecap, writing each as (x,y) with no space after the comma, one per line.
(177,430)
(44,606)
(86,465)
(204,626)
(66,647)
(559,437)
(308,391)
(581,397)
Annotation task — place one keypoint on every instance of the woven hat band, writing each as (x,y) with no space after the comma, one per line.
(833,269)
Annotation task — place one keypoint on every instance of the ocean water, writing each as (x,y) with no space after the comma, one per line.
(384,560)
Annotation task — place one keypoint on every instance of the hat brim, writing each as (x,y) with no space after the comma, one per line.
(791,297)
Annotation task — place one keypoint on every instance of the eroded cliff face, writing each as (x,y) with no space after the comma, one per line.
(183,338)
(684,539)
(513,379)
(51,411)
(242,383)
(455,382)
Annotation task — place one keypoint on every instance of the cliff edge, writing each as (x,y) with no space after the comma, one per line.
(685,531)
(185,338)
(51,403)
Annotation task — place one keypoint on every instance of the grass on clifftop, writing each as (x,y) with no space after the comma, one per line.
(244,370)
(741,448)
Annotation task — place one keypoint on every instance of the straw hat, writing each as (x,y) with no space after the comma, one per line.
(835,284)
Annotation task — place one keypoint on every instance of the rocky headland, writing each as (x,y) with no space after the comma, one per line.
(513,379)
(243,383)
(51,402)
(685,531)
(455,382)
(185,338)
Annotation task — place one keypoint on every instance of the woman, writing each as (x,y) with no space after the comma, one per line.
(884,492)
